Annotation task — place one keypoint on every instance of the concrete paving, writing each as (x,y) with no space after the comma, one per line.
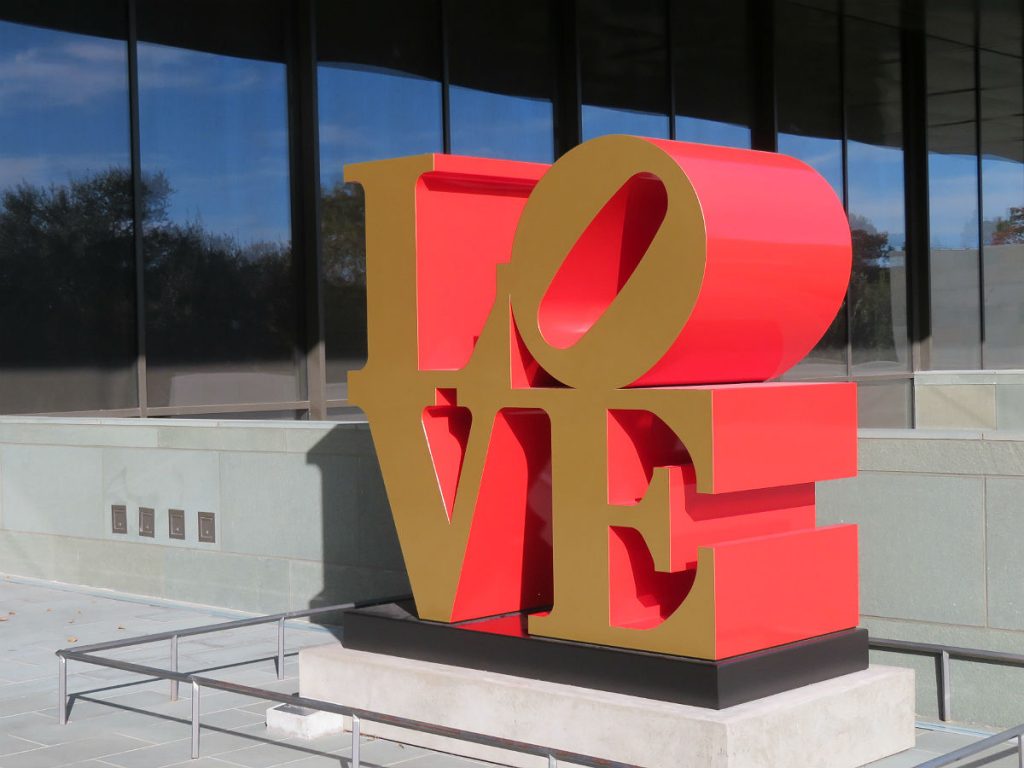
(118,721)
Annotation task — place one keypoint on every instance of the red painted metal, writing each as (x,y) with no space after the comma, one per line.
(774,261)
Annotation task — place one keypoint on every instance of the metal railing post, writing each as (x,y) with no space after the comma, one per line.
(280,648)
(355,743)
(1020,751)
(195,720)
(552,763)
(62,690)
(944,687)
(174,667)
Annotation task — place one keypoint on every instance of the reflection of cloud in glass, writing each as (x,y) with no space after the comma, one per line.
(371,114)
(43,170)
(953,200)
(954,196)
(177,68)
(40,68)
(875,187)
(712,132)
(63,105)
(1003,186)
(601,121)
(498,125)
(217,126)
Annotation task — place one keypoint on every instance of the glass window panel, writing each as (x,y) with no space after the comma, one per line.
(1001,28)
(808,88)
(623,67)
(953,207)
(713,77)
(882,11)
(951,19)
(379,94)
(67,276)
(498,110)
(878,284)
(221,297)
(1002,183)
(884,404)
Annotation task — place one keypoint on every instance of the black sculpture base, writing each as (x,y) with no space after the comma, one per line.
(500,644)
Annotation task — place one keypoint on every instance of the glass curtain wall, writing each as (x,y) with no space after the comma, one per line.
(151,175)
(380,95)
(1001,113)
(976,186)
(953,206)
(67,266)
(839,95)
(809,107)
(623,51)
(501,62)
(221,296)
(713,84)
(877,299)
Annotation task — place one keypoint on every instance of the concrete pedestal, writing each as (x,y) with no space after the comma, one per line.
(840,723)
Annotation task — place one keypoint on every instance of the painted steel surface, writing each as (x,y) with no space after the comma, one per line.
(566,387)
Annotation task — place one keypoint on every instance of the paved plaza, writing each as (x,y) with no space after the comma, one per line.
(118,720)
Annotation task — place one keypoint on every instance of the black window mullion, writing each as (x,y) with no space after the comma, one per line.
(761,31)
(305,195)
(915,185)
(670,63)
(568,127)
(446,116)
(981,196)
(843,91)
(137,206)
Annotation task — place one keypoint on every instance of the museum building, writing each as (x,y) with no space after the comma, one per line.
(177,242)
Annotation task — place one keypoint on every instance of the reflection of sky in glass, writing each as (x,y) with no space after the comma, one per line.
(63,105)
(953,200)
(824,155)
(876,188)
(496,125)
(217,126)
(372,114)
(712,132)
(1002,187)
(600,121)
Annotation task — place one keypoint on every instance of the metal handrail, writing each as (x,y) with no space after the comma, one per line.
(85,654)
(1017,732)
(225,625)
(943,653)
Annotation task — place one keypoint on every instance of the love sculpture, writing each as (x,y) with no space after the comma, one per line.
(568,390)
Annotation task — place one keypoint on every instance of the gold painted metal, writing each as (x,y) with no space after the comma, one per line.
(394,392)
(648,314)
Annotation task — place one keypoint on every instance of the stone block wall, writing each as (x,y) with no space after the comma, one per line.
(300,509)
(941,518)
(302,519)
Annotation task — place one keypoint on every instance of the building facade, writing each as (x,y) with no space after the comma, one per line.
(177,242)
(176,237)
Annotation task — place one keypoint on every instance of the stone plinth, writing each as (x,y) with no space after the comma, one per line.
(840,723)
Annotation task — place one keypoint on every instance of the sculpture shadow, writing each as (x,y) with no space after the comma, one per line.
(362,560)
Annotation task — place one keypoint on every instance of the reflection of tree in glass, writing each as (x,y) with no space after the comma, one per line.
(1006,231)
(871,315)
(67,274)
(67,279)
(210,298)
(343,255)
